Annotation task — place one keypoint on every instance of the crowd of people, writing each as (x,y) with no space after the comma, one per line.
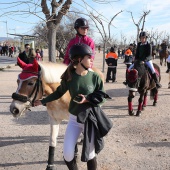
(7,50)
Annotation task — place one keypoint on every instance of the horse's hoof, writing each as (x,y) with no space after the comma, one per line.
(51,167)
(131,113)
(143,108)
(154,103)
(138,113)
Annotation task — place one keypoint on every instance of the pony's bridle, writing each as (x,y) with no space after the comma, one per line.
(35,91)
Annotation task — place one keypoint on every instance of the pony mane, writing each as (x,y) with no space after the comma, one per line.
(51,72)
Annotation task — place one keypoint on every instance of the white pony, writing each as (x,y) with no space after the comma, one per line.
(35,81)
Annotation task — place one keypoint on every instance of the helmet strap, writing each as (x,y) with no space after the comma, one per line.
(84,66)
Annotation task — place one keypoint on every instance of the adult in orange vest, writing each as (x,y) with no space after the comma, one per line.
(129,56)
(111,60)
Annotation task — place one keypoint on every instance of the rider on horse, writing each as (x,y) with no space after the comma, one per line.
(143,53)
(164,45)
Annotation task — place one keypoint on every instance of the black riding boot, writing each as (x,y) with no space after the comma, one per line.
(168,67)
(72,165)
(92,164)
(158,85)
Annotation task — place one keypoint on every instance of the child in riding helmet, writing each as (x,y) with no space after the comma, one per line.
(143,53)
(81,26)
(81,83)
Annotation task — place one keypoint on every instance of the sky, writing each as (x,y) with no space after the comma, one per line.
(157,20)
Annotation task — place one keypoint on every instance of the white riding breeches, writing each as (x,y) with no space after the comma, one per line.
(72,134)
(148,63)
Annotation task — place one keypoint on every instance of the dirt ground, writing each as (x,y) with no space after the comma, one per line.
(134,143)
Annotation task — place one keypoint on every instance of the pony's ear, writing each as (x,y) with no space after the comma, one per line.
(35,65)
(21,63)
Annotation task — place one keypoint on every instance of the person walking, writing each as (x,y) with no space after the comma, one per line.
(111,60)
(144,53)
(81,26)
(128,60)
(38,56)
(84,86)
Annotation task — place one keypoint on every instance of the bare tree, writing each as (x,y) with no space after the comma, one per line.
(141,20)
(102,30)
(156,36)
(53,20)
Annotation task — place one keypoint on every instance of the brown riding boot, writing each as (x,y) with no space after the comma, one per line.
(92,164)
(158,85)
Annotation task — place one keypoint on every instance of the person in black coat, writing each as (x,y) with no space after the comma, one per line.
(28,55)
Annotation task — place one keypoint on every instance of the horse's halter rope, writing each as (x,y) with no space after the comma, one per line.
(36,89)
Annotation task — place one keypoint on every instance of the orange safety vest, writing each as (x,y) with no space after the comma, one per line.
(111,55)
(128,52)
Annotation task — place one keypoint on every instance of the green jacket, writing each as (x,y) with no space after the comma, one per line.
(77,85)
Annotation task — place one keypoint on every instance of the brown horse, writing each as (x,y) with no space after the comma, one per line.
(154,52)
(163,54)
(139,80)
(43,79)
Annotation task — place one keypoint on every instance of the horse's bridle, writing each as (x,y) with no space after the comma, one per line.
(35,90)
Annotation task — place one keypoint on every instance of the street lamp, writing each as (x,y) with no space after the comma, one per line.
(6,27)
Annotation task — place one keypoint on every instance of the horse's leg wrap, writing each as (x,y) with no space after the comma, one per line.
(140,104)
(51,155)
(130,106)
(155,99)
(145,100)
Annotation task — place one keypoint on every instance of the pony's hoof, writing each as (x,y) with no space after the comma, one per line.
(143,107)
(154,103)
(131,113)
(51,167)
(138,113)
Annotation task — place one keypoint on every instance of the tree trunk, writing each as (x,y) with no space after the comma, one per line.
(104,49)
(52,44)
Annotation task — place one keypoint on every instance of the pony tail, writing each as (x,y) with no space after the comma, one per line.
(67,75)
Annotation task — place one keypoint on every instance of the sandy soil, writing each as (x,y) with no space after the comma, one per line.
(134,143)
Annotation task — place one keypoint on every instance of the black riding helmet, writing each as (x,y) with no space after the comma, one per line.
(81,22)
(79,51)
(143,34)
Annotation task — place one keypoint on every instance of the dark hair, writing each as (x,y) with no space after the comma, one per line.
(26,45)
(37,50)
(67,75)
(31,53)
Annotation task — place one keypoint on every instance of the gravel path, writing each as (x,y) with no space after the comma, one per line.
(134,143)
